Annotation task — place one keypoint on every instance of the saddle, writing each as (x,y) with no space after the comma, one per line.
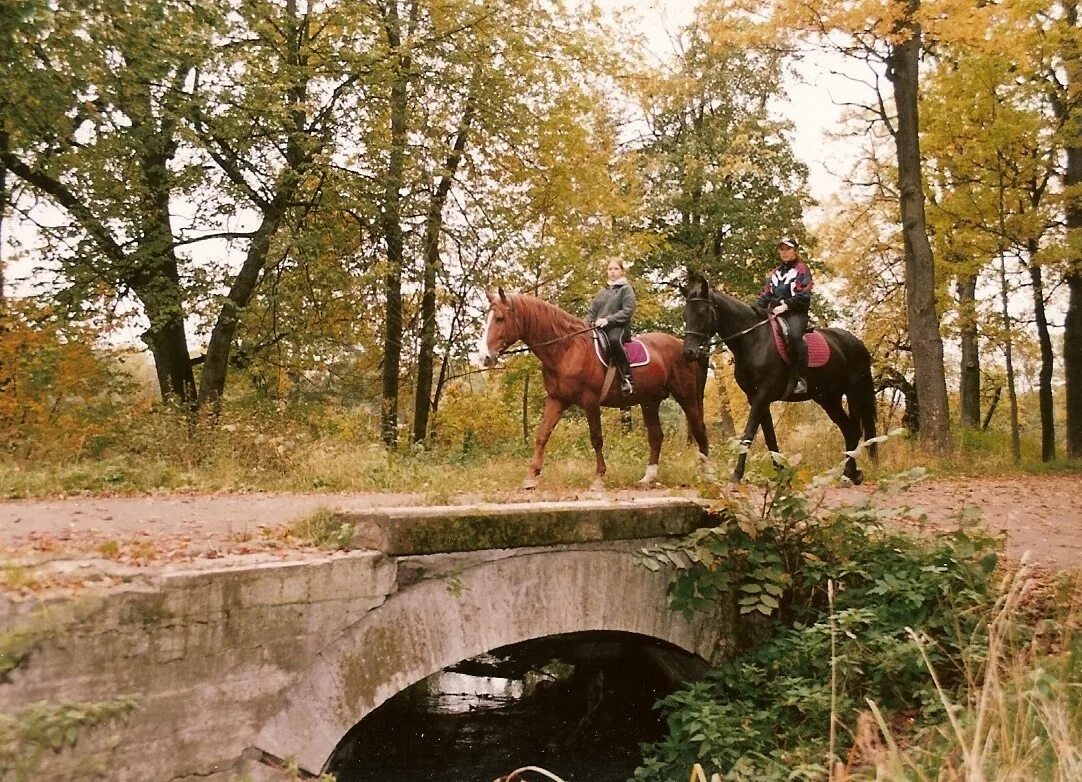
(818,348)
(636,351)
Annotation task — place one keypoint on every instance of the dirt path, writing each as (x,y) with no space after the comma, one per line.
(1041,514)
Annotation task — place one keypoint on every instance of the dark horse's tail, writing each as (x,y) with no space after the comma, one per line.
(862,405)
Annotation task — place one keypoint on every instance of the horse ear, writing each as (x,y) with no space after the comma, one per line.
(491,297)
(698,287)
(503,296)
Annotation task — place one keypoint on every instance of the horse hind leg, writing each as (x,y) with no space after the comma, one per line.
(850,428)
(770,437)
(696,423)
(654,434)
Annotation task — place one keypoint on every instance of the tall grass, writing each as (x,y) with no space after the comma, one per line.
(298,448)
(1021,716)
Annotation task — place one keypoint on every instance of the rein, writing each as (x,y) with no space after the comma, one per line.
(524,349)
(527,348)
(714,315)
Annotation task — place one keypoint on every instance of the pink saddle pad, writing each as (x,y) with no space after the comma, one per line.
(637,354)
(818,349)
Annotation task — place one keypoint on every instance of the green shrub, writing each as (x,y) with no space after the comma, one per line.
(766,713)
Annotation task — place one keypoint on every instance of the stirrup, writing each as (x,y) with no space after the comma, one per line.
(801,386)
(626,388)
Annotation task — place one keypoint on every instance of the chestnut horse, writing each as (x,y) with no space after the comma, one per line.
(573,375)
(763,375)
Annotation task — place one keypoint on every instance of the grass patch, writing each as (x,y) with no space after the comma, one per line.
(323,529)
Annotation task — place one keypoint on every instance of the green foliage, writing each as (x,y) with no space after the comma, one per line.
(43,727)
(765,713)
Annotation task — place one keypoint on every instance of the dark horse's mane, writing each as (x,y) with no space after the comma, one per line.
(539,316)
(753,309)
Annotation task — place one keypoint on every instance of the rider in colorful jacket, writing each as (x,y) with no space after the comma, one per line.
(611,311)
(787,293)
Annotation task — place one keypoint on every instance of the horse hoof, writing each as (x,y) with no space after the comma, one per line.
(650,477)
(646,483)
(597,485)
(858,478)
(529,482)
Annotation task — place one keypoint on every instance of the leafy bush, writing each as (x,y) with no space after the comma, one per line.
(767,712)
(58,394)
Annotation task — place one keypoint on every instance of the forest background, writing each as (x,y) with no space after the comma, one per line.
(293,210)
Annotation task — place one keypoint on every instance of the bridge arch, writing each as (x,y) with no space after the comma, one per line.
(436,623)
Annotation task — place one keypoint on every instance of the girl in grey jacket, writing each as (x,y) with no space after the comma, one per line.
(611,311)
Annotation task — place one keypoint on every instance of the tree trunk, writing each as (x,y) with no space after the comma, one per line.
(216,365)
(910,396)
(433,229)
(3,212)
(1063,105)
(1008,351)
(392,229)
(725,413)
(1072,325)
(991,408)
(526,410)
(299,153)
(1072,362)
(172,363)
(1048,425)
(969,384)
(924,334)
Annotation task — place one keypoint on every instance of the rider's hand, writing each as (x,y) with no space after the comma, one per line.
(780,308)
(601,322)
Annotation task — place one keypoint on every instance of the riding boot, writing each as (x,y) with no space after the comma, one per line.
(800,365)
(625,371)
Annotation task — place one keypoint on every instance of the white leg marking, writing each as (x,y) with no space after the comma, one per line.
(651,475)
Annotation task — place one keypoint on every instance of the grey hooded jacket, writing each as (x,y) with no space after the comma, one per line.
(615,302)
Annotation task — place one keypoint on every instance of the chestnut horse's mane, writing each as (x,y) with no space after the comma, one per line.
(543,320)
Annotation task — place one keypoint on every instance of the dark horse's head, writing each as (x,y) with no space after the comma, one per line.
(699,324)
(500,330)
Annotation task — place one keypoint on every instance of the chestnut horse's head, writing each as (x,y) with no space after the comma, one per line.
(699,322)
(500,332)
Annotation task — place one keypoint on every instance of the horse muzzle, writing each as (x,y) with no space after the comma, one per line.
(693,352)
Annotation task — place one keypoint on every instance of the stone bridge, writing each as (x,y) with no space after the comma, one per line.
(242,666)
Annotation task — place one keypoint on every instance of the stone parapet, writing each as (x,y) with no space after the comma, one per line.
(436,530)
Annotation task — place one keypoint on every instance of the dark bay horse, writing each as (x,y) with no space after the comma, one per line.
(573,375)
(763,375)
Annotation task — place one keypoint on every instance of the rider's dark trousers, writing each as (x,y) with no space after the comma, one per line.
(615,335)
(796,318)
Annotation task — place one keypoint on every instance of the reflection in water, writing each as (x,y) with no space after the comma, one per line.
(458,693)
(579,707)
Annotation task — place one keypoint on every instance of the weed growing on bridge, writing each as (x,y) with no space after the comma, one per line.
(49,727)
(323,529)
(902,605)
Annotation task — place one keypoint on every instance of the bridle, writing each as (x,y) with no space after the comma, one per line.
(707,337)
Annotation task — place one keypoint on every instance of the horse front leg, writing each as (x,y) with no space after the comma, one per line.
(597,440)
(759,406)
(654,434)
(554,408)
